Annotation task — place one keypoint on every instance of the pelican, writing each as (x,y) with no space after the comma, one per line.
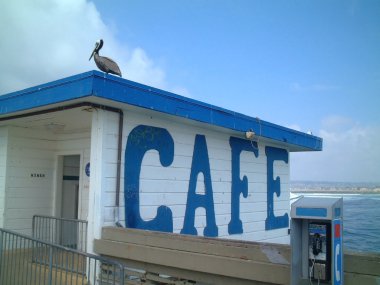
(104,63)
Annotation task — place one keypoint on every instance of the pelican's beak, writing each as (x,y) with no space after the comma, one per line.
(93,52)
(91,55)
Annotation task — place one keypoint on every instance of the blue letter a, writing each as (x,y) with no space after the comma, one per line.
(200,164)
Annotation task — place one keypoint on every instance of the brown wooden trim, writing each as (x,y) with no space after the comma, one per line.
(262,252)
(246,261)
(218,261)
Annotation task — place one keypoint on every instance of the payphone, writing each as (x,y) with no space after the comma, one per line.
(319,251)
(316,241)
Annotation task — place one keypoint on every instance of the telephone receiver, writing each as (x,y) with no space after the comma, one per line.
(317,244)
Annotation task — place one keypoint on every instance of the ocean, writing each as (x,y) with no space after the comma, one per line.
(361,220)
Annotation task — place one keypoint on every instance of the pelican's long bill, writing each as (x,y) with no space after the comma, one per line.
(92,54)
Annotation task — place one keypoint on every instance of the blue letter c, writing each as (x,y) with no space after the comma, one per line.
(141,139)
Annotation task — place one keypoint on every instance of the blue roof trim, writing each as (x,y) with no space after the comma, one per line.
(69,88)
(98,84)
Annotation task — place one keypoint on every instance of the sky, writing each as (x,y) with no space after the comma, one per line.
(307,65)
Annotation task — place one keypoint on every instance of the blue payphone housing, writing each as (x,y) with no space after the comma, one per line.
(317,241)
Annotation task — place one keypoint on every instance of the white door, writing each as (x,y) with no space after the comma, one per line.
(70,199)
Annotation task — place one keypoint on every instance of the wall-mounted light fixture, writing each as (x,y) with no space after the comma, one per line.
(249,134)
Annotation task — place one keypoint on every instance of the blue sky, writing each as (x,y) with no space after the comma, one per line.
(309,65)
(309,56)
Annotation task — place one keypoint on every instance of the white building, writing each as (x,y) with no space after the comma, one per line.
(111,151)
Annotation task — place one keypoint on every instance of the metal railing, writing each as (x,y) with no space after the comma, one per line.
(28,261)
(70,233)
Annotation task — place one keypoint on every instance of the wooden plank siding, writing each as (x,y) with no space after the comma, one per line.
(30,152)
(169,185)
(3,163)
(28,156)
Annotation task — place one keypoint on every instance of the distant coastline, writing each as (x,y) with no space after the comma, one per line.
(334,187)
(337,191)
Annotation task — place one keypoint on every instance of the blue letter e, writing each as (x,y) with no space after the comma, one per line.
(273,186)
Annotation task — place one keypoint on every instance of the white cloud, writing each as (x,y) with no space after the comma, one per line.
(181,91)
(317,87)
(336,123)
(351,152)
(144,69)
(44,40)
(294,127)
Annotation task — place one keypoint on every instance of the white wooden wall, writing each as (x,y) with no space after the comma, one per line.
(169,185)
(30,164)
(3,161)
(30,174)
(25,152)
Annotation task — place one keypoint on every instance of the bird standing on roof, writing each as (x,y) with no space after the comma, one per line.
(104,63)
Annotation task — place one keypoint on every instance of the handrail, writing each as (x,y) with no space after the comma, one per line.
(70,233)
(63,219)
(25,260)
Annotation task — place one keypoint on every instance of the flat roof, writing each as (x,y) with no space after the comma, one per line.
(90,85)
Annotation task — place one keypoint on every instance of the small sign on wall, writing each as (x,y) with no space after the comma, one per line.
(37,175)
(87,169)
